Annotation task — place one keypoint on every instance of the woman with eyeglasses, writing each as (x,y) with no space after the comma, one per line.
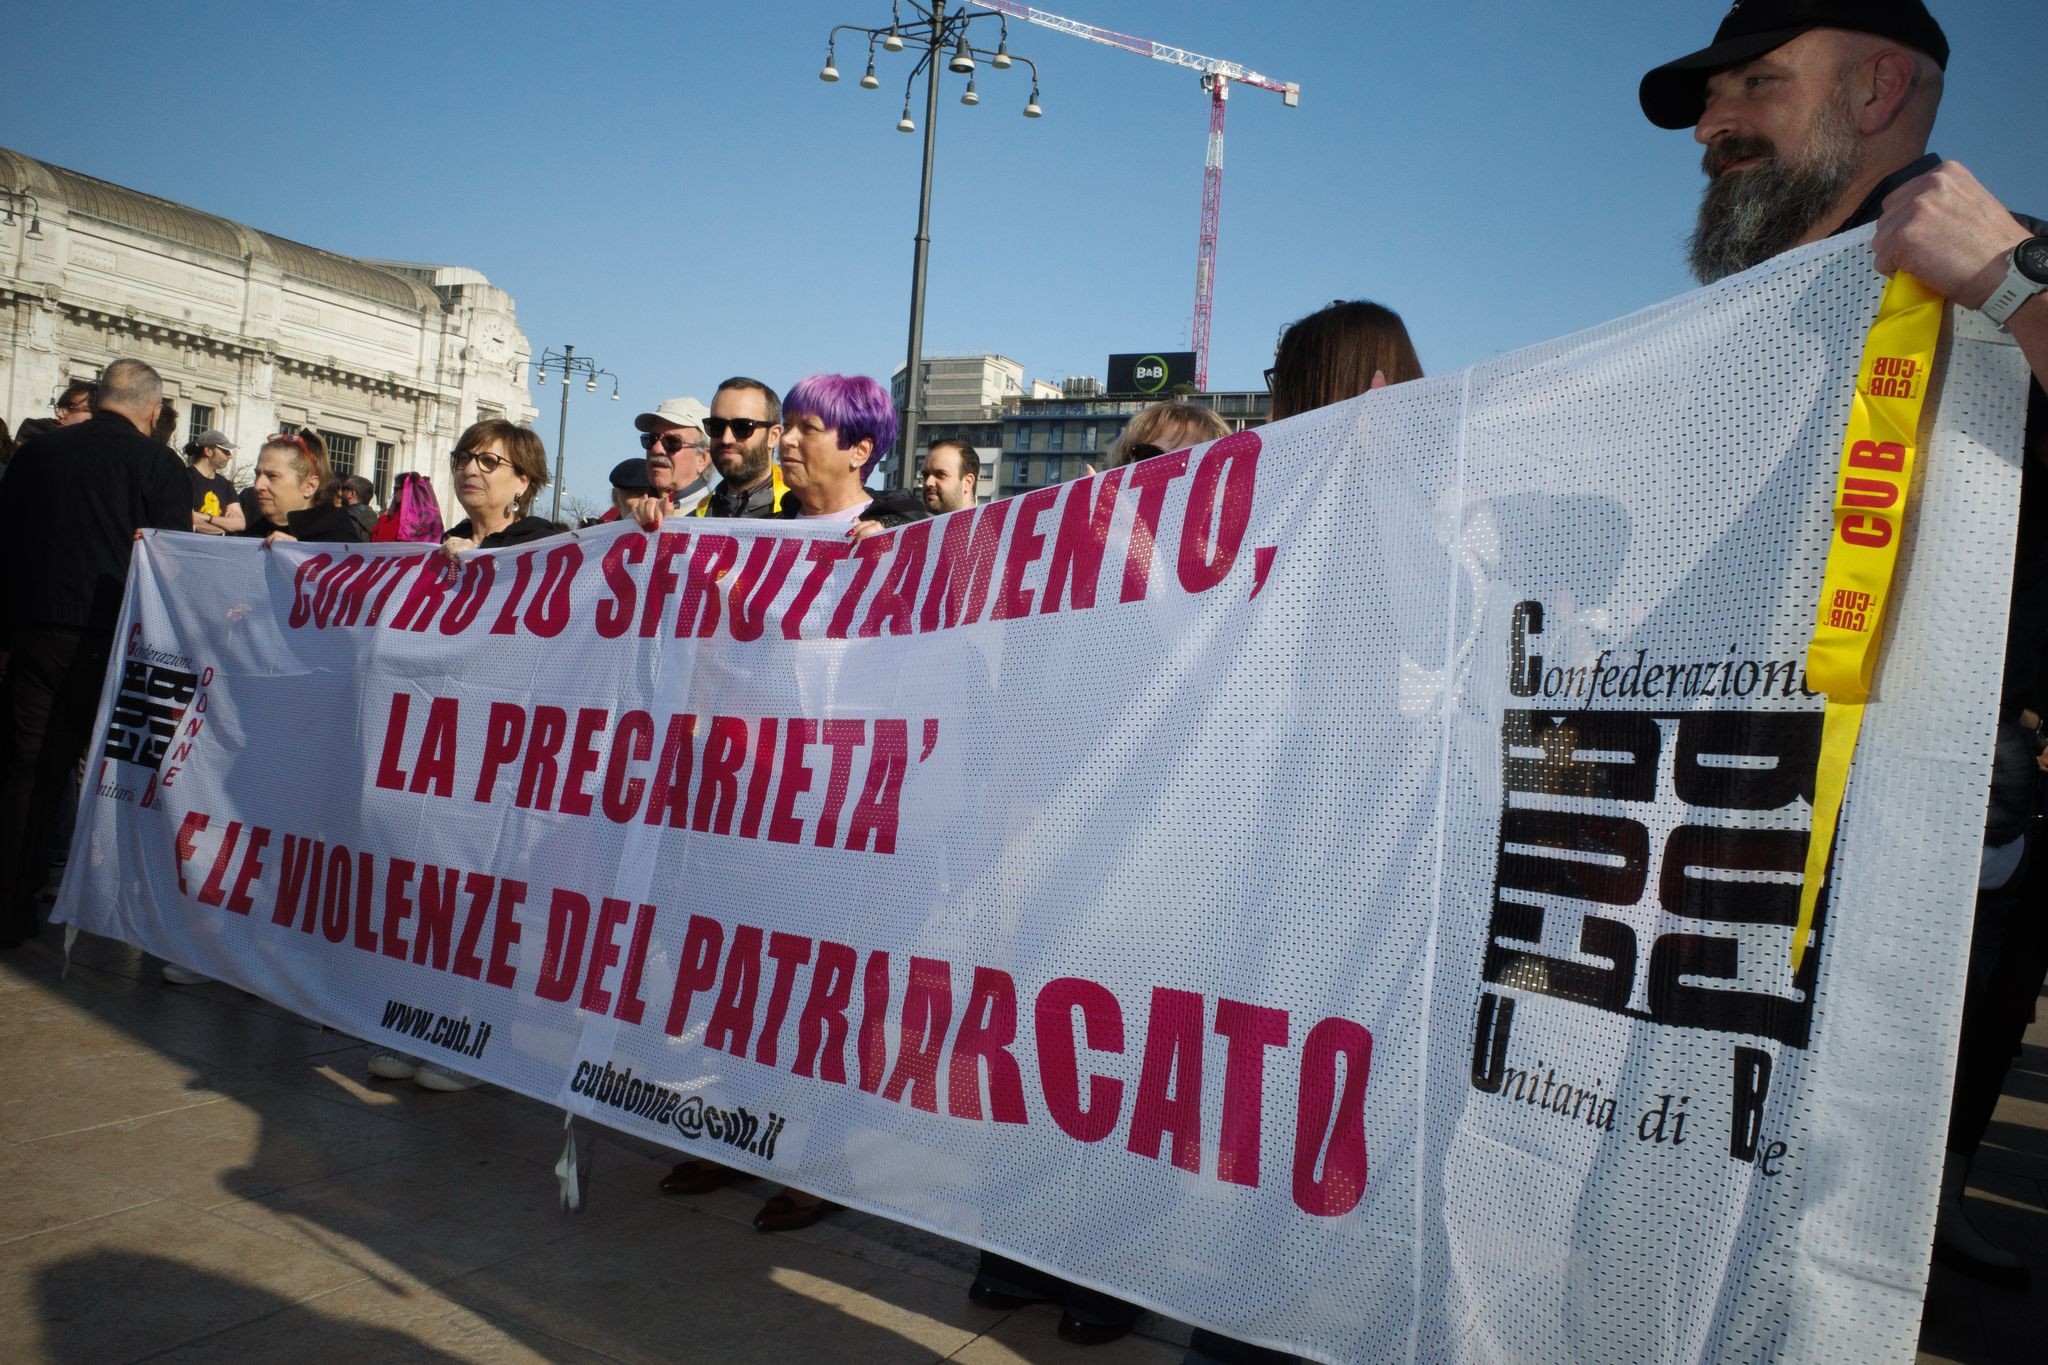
(499,470)
(294,493)
(1337,353)
(1163,427)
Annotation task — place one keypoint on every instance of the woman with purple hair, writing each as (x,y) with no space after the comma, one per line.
(835,429)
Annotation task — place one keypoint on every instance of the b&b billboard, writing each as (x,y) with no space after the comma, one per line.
(1151,372)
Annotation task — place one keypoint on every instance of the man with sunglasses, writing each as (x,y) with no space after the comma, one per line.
(74,405)
(744,426)
(673,437)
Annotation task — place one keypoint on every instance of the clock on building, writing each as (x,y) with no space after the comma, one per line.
(494,337)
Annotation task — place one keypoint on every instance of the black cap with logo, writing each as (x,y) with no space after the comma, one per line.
(1674,95)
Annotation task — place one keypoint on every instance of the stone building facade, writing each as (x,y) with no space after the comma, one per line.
(964,393)
(252,333)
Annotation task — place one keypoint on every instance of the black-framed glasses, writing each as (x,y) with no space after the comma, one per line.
(675,443)
(1269,378)
(486,463)
(741,427)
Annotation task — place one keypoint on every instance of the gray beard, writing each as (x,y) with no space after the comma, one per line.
(1747,217)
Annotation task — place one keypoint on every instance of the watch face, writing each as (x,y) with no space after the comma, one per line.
(2031,256)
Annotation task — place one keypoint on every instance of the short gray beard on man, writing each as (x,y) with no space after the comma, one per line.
(1747,217)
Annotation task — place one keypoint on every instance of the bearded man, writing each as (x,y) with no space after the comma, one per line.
(1815,116)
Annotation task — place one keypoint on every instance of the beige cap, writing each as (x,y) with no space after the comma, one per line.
(684,412)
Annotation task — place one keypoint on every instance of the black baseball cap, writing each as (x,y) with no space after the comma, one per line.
(631,476)
(1675,95)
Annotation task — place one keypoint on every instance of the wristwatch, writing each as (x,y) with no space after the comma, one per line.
(2026,275)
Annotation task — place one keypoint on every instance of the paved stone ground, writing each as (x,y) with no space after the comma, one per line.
(193,1174)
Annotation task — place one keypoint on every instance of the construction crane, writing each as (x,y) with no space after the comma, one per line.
(1217,78)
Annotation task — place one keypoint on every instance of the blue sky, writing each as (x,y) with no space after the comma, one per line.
(670,187)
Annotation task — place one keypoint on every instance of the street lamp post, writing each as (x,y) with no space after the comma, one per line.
(567,363)
(934,27)
(13,201)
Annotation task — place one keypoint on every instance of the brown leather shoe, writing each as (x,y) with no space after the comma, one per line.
(783,1214)
(696,1177)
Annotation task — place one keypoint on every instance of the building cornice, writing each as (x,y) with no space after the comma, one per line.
(131,321)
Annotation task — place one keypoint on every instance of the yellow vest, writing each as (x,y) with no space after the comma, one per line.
(774,479)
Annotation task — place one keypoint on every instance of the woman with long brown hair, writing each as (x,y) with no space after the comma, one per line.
(1339,352)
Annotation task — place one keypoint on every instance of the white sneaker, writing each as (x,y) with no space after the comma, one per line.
(440,1078)
(393,1066)
(183,976)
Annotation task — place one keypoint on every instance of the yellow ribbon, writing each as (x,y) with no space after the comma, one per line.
(1873,490)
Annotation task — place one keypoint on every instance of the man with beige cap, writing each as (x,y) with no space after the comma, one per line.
(677,453)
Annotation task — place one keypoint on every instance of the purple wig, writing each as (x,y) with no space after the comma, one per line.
(853,405)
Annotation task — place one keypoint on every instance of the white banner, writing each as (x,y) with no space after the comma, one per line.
(1333,886)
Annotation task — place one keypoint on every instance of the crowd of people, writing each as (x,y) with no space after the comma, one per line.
(1814,118)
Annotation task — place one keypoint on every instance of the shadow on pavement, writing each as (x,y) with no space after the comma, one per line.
(209,1174)
(197,1172)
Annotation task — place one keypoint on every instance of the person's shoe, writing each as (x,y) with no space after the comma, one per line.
(183,976)
(783,1214)
(393,1066)
(431,1077)
(1959,1246)
(696,1177)
(1085,1332)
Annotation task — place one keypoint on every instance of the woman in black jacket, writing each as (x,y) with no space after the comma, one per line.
(499,470)
(294,497)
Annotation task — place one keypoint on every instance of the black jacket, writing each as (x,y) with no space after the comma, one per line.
(897,507)
(518,533)
(70,506)
(759,501)
(322,523)
(893,508)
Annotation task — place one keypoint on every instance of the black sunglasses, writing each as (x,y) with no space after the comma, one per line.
(669,441)
(1145,450)
(1269,378)
(741,427)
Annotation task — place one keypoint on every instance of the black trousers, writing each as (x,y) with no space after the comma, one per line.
(1207,1348)
(47,706)
(1091,1306)
(2008,958)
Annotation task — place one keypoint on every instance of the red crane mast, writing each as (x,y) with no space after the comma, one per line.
(1217,78)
